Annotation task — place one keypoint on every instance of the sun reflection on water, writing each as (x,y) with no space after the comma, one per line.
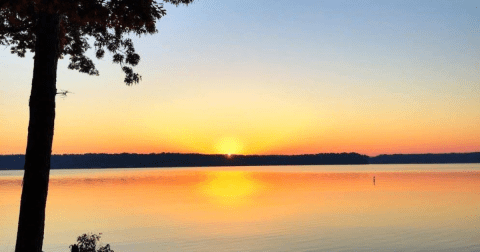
(232,188)
(201,209)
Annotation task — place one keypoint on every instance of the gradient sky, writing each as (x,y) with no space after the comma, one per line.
(273,77)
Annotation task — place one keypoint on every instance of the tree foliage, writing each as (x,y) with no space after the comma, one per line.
(105,22)
(88,243)
(54,29)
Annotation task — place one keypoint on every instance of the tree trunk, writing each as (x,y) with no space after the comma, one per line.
(31,222)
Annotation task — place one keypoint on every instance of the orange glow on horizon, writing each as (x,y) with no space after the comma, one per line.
(276,141)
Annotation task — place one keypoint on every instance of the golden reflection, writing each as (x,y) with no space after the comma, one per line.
(245,202)
(229,187)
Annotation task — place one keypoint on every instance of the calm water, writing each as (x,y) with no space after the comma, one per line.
(278,208)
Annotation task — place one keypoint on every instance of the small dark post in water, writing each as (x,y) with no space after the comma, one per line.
(373,180)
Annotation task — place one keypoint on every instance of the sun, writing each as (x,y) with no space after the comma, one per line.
(228,146)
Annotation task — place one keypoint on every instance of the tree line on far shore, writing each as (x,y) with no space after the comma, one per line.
(129,160)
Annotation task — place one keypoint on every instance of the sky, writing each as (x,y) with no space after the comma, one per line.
(273,77)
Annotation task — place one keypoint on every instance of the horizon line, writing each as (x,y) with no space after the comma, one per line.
(219,154)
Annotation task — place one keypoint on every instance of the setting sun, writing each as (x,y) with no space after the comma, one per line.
(239,125)
(229,146)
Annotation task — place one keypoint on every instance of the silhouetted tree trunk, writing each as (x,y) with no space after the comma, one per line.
(40,136)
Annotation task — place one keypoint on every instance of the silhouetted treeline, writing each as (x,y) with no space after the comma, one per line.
(426,158)
(183,160)
(126,160)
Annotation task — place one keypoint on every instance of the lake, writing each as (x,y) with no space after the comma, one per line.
(433,207)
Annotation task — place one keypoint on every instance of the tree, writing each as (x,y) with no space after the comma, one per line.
(88,243)
(53,29)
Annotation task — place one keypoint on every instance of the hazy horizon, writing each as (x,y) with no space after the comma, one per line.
(230,154)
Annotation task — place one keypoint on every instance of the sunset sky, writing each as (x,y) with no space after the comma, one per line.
(273,77)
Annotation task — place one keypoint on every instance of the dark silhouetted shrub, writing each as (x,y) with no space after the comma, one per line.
(88,243)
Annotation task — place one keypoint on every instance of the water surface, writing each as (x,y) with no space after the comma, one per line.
(274,208)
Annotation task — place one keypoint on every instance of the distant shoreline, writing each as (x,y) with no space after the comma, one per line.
(132,160)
